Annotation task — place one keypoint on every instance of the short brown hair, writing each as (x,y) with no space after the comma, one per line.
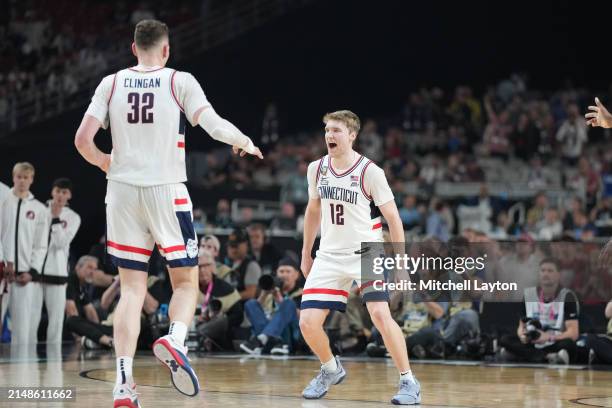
(23,167)
(149,33)
(347,117)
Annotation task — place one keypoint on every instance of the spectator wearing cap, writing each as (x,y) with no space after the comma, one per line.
(222,310)
(245,271)
(211,244)
(264,253)
(274,314)
(54,273)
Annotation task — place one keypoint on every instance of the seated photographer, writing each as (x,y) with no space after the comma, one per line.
(274,315)
(95,333)
(600,345)
(81,316)
(548,329)
(220,305)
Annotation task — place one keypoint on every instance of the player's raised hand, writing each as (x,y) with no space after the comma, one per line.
(243,153)
(599,115)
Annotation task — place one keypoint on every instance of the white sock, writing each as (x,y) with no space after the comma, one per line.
(407,376)
(178,331)
(331,366)
(263,338)
(124,371)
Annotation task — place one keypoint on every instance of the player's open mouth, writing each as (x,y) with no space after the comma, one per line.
(331,145)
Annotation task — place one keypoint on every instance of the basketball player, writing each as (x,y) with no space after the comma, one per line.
(347,194)
(600,116)
(147,107)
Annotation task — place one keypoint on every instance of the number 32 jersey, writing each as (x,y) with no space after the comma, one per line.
(147,109)
(349,203)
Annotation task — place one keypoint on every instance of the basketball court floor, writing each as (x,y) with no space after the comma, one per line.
(267,382)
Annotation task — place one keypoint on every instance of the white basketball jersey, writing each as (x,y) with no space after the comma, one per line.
(147,127)
(348,214)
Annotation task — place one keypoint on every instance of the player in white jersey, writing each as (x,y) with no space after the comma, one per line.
(147,107)
(347,194)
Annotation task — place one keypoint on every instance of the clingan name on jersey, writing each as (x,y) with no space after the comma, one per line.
(142,82)
(338,193)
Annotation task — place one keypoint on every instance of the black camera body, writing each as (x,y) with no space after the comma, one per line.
(533,328)
(269,282)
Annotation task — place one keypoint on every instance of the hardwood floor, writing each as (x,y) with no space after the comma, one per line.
(238,381)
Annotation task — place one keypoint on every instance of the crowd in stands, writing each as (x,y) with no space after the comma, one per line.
(511,137)
(50,50)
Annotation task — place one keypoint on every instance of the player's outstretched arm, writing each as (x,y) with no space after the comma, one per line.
(224,131)
(599,115)
(312,221)
(84,142)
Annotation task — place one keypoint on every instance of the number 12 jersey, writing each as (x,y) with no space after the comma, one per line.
(349,203)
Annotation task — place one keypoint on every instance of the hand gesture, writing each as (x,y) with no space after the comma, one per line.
(238,150)
(599,115)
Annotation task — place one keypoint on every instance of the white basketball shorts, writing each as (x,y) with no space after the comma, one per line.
(137,218)
(331,278)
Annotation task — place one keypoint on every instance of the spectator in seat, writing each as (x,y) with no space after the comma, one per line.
(223,217)
(264,253)
(220,305)
(552,329)
(572,135)
(295,188)
(550,227)
(245,271)
(286,221)
(600,345)
(274,314)
(409,213)
(211,244)
(536,213)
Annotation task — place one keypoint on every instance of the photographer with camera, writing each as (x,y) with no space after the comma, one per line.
(274,315)
(221,309)
(548,329)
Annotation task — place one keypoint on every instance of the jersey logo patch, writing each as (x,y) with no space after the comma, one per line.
(324,181)
(192,248)
(30,215)
(354,178)
(323,170)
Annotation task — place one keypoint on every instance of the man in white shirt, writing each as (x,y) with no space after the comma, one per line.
(147,203)
(54,273)
(23,224)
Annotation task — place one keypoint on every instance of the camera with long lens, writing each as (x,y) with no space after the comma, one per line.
(269,282)
(533,328)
